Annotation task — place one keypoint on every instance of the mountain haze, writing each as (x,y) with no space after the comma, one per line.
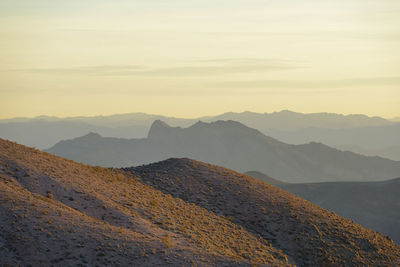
(357,133)
(44,131)
(372,140)
(232,145)
(289,120)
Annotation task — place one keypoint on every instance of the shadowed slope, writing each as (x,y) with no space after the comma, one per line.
(57,212)
(309,235)
(374,205)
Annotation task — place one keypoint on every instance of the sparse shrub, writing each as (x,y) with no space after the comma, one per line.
(49,195)
(166,241)
(154,203)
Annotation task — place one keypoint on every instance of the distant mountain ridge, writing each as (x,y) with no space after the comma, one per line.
(289,120)
(358,133)
(233,145)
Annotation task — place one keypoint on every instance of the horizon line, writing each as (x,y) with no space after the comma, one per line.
(194,117)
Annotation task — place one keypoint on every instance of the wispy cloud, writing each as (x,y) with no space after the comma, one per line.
(207,67)
(100,70)
(387,36)
(225,66)
(311,84)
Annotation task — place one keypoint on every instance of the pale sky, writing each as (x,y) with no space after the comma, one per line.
(190,58)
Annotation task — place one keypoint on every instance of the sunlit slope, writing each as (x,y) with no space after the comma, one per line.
(58,212)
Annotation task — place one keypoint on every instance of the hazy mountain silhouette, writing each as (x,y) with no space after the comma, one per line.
(289,120)
(358,133)
(389,152)
(177,212)
(232,145)
(374,205)
(373,140)
(372,136)
(43,132)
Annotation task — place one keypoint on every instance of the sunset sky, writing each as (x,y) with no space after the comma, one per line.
(191,58)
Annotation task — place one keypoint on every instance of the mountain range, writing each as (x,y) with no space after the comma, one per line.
(232,145)
(357,133)
(55,212)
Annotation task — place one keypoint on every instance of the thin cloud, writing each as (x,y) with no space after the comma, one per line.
(198,68)
(246,60)
(318,34)
(84,70)
(376,81)
(217,69)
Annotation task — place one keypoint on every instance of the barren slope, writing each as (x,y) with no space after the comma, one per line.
(374,205)
(309,235)
(57,212)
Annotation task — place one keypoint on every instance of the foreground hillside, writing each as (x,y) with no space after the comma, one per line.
(232,145)
(57,212)
(307,234)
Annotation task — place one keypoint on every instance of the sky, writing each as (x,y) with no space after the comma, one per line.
(191,58)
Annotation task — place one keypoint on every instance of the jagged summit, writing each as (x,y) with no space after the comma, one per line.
(159,123)
(158,129)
